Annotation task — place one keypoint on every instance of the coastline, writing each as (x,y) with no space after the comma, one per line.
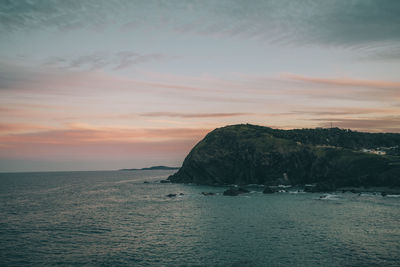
(287,188)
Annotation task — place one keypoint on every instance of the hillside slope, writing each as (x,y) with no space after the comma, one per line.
(249,154)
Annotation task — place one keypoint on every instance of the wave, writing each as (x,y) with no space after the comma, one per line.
(329,197)
(393,196)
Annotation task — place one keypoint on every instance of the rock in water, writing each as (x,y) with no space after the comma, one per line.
(231,192)
(320,187)
(242,190)
(268,190)
(329,158)
(234,191)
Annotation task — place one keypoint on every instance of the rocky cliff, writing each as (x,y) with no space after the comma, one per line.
(249,154)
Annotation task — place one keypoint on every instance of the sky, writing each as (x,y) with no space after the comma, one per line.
(107,84)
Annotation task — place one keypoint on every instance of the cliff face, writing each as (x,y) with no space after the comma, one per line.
(249,154)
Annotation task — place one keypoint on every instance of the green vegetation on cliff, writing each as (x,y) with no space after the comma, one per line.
(249,154)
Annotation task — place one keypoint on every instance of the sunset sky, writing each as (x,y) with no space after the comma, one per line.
(92,85)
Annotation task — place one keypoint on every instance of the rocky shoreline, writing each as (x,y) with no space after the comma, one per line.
(235,190)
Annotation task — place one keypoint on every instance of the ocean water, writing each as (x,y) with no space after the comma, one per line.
(114,218)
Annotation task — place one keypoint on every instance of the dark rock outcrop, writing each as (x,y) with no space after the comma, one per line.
(321,187)
(234,191)
(327,158)
(268,190)
(242,190)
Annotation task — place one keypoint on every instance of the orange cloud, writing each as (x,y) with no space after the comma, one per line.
(85,135)
(106,151)
(7,128)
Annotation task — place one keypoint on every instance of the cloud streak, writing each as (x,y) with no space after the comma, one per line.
(28,79)
(83,134)
(339,23)
(192,115)
(13,128)
(376,124)
(347,111)
(344,88)
(347,82)
(101,60)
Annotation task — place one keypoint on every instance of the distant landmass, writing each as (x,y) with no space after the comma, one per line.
(328,158)
(152,168)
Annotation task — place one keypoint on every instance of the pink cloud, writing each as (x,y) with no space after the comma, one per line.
(81,135)
(192,115)
(13,128)
(345,81)
(347,111)
(375,124)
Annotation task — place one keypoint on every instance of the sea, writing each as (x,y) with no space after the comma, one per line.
(125,218)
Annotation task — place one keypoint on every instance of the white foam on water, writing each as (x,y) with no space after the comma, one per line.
(329,197)
(297,192)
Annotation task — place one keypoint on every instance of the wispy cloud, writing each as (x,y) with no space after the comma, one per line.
(56,81)
(349,82)
(52,81)
(347,111)
(376,124)
(81,134)
(24,15)
(383,53)
(349,89)
(192,115)
(18,128)
(338,23)
(101,60)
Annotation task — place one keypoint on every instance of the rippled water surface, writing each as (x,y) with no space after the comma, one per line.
(114,218)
